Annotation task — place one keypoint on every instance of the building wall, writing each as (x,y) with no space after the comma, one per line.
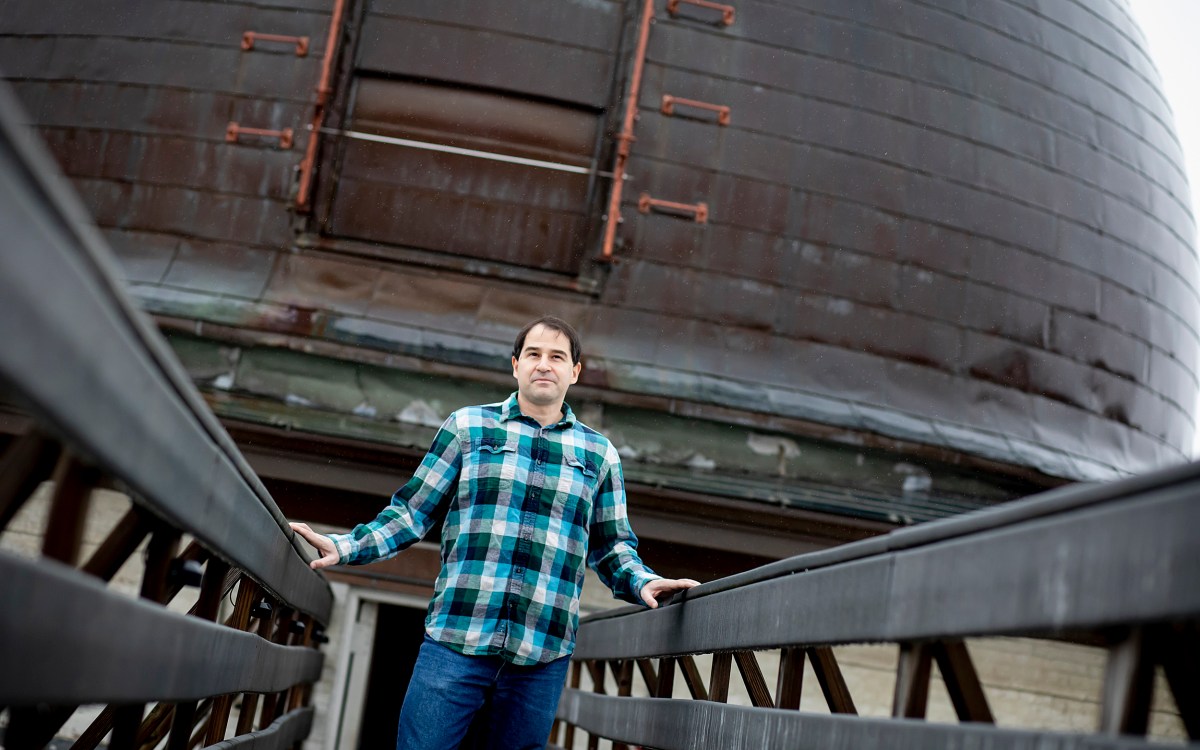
(958,226)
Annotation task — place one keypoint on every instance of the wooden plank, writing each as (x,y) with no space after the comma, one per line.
(685,725)
(38,728)
(298,694)
(26,462)
(218,720)
(157,437)
(718,681)
(666,678)
(263,613)
(962,681)
(126,722)
(648,676)
(90,738)
(156,725)
(790,682)
(1181,666)
(573,684)
(73,483)
(756,684)
(284,732)
(1128,686)
(912,681)
(691,677)
(156,576)
(829,677)
(183,722)
(282,635)
(119,545)
(597,673)
(965,586)
(623,673)
(68,617)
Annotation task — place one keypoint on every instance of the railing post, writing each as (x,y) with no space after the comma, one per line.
(576,674)
(718,681)
(752,675)
(666,678)
(1181,667)
(912,681)
(1128,686)
(829,677)
(790,682)
(962,681)
(218,719)
(26,462)
(691,677)
(649,677)
(298,694)
(119,545)
(623,674)
(212,588)
(261,611)
(126,722)
(73,483)
(282,636)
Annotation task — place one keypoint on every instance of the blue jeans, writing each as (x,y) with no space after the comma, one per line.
(447,690)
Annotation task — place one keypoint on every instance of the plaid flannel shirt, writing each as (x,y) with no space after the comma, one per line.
(525,507)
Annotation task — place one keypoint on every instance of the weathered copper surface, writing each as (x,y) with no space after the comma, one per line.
(960,226)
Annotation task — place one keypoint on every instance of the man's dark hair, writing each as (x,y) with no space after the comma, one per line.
(554,324)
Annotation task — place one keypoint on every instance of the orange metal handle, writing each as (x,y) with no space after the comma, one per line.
(233,132)
(301,42)
(669,102)
(699,211)
(726,10)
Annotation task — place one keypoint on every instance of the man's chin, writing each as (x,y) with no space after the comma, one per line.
(542,396)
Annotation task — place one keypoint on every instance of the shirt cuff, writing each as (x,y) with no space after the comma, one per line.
(638,581)
(343,544)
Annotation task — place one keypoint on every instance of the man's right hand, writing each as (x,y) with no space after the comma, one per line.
(324,545)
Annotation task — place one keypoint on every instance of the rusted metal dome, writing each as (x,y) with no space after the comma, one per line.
(928,225)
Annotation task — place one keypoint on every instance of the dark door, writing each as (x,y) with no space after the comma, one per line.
(398,633)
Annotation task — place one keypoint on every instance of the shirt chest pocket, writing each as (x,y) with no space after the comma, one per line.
(579,476)
(578,481)
(492,467)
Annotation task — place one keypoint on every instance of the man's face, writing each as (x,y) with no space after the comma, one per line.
(544,369)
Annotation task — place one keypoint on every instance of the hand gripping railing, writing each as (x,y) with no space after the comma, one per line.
(106,404)
(1115,565)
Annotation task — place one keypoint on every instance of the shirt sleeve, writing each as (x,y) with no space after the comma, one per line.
(414,508)
(612,544)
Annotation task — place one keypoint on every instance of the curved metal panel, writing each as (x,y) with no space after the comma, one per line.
(958,226)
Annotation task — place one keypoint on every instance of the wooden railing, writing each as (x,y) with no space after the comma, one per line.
(1116,566)
(103,403)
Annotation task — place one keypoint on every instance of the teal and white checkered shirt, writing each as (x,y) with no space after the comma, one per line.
(525,507)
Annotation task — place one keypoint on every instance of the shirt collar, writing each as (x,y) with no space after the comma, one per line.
(511,409)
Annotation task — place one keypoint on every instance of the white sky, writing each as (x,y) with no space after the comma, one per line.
(1173,29)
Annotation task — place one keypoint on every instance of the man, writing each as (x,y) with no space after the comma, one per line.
(529,494)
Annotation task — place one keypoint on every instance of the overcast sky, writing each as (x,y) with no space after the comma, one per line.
(1171,27)
(1173,30)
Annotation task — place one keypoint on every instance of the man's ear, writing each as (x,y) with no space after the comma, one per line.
(514,361)
(575,372)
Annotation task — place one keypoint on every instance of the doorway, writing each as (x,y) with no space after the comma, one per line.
(398,634)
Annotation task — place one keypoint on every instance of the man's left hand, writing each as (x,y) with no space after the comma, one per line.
(661,586)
